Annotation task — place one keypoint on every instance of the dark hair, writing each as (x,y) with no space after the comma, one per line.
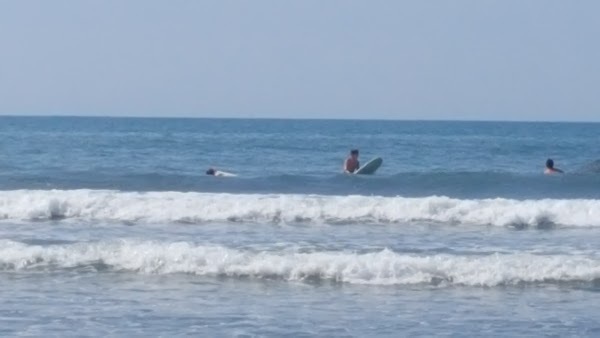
(354,152)
(549,163)
(210,171)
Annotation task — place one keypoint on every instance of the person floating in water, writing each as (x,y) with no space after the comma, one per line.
(550,168)
(351,164)
(218,173)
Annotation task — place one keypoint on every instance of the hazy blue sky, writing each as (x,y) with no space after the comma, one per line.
(476,59)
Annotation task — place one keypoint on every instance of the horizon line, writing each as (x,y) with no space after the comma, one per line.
(133,116)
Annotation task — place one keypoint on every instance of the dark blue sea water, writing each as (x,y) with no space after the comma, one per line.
(109,226)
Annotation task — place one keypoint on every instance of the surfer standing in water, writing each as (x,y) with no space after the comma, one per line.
(351,164)
(550,168)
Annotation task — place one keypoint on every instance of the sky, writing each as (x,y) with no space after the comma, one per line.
(535,60)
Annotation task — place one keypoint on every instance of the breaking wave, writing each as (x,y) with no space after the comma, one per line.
(384,267)
(199,208)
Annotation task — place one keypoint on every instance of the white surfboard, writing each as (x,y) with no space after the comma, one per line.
(219,173)
(370,167)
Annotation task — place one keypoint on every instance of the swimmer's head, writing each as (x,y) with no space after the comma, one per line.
(211,171)
(550,163)
(354,153)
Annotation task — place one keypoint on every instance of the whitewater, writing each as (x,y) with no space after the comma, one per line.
(199,208)
(374,268)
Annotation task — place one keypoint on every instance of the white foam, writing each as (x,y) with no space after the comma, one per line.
(377,268)
(166,207)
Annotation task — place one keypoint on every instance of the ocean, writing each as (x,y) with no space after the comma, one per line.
(110,227)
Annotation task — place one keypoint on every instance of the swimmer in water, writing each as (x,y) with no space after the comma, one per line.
(217,173)
(351,164)
(550,168)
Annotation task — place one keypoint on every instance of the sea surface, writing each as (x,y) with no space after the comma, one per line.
(109,227)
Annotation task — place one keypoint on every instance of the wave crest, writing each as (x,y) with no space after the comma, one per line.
(376,268)
(198,208)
